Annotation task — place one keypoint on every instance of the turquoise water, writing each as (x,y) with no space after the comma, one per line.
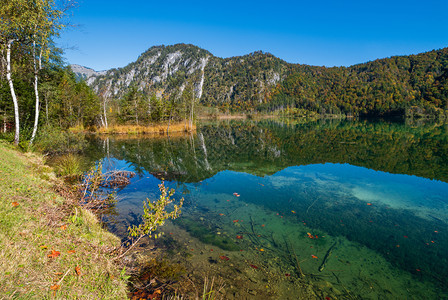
(353,210)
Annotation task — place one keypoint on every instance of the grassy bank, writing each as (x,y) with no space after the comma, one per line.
(49,247)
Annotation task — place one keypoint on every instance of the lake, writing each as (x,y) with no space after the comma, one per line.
(343,209)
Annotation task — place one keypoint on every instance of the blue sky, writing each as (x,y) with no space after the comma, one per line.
(112,33)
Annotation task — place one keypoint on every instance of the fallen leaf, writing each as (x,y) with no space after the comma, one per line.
(313,256)
(78,270)
(55,287)
(15,204)
(152,296)
(224,257)
(310,235)
(71,251)
(254,266)
(64,227)
(54,254)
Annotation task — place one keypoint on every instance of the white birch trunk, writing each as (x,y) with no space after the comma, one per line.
(13,94)
(36,91)
(105,112)
(46,105)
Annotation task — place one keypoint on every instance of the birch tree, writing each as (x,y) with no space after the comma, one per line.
(30,23)
(46,24)
(15,20)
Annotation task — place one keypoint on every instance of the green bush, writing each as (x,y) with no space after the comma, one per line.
(53,140)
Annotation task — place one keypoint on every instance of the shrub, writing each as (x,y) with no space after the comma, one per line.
(53,140)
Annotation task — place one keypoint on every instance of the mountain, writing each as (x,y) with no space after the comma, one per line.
(230,82)
(85,73)
(415,85)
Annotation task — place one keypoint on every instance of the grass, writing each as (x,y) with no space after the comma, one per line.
(36,222)
(68,165)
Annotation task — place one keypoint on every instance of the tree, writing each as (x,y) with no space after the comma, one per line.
(155,213)
(14,27)
(157,109)
(46,25)
(132,106)
(26,22)
(104,101)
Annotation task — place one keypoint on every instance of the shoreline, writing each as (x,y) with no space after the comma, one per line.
(51,247)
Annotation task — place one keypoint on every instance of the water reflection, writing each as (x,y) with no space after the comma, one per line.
(375,191)
(264,148)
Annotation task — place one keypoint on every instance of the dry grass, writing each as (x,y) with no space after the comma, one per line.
(161,128)
(126,137)
(34,221)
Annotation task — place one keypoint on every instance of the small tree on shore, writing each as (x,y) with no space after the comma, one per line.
(155,213)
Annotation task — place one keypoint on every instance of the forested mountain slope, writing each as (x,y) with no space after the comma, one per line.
(384,86)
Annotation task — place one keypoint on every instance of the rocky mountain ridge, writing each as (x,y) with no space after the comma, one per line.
(85,73)
(164,70)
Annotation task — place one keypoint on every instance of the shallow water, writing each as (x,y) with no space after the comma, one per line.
(360,209)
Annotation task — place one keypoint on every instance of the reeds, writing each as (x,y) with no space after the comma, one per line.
(149,129)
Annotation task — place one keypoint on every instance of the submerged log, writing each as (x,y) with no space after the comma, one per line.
(117,179)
